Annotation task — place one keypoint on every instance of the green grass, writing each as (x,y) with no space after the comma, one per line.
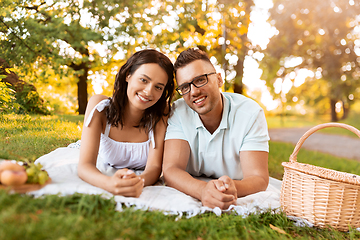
(292,121)
(280,152)
(92,217)
(25,136)
(308,121)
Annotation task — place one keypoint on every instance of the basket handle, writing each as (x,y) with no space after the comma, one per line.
(293,156)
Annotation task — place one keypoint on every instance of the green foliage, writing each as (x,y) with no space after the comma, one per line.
(56,40)
(7,98)
(29,101)
(205,24)
(19,96)
(322,34)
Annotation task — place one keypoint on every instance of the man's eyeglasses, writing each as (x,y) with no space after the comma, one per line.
(198,82)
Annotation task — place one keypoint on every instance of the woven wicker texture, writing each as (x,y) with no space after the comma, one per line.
(320,195)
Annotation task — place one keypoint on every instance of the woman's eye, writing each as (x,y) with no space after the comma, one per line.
(159,88)
(143,80)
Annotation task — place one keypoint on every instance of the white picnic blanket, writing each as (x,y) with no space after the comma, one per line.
(61,164)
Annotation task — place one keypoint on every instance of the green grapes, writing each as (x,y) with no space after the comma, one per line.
(35,173)
(43,177)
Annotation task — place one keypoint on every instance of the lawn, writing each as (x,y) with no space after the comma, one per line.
(92,217)
(306,121)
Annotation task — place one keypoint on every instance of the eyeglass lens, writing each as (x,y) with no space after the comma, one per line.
(197,82)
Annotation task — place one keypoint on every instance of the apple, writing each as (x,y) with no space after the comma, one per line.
(8,165)
(12,178)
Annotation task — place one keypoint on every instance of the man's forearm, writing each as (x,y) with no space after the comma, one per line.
(250,185)
(184,182)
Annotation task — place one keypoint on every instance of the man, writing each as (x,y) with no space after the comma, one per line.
(213,134)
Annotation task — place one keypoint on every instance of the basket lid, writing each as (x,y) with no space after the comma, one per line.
(323,172)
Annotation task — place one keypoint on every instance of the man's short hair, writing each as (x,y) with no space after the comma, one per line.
(188,56)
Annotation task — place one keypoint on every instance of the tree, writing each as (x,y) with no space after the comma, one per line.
(218,28)
(62,35)
(323,33)
(231,39)
(236,22)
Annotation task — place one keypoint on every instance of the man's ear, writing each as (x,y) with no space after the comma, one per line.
(219,79)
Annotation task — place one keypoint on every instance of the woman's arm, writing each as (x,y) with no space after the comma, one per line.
(123,182)
(153,166)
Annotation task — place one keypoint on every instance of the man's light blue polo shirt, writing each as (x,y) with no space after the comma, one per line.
(242,128)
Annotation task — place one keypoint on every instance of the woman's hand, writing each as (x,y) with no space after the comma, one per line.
(125,182)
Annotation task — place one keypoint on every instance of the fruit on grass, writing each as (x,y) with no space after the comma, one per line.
(10,165)
(33,173)
(36,174)
(13,178)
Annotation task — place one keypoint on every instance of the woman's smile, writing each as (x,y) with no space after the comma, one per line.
(143,99)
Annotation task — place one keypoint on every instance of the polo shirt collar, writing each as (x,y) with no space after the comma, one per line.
(198,122)
(224,118)
(225,113)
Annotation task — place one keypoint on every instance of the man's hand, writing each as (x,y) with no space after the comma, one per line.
(219,193)
(226,185)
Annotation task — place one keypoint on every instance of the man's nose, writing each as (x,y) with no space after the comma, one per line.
(194,90)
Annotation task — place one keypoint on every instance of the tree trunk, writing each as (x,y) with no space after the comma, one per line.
(238,87)
(239,68)
(82,76)
(82,92)
(333,110)
(346,110)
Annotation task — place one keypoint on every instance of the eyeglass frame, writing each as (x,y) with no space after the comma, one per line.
(192,82)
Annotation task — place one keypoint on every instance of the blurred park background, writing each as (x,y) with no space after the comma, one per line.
(293,57)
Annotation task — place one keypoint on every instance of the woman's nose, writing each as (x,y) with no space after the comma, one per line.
(148,90)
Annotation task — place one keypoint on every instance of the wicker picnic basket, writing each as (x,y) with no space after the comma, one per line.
(322,196)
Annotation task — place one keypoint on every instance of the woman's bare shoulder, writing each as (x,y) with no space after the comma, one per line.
(97,98)
(93,101)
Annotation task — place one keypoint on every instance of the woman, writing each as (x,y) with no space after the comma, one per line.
(128,130)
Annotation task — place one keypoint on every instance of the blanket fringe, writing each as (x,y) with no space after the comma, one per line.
(243,211)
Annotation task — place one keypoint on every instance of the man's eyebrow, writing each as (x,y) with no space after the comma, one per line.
(149,78)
